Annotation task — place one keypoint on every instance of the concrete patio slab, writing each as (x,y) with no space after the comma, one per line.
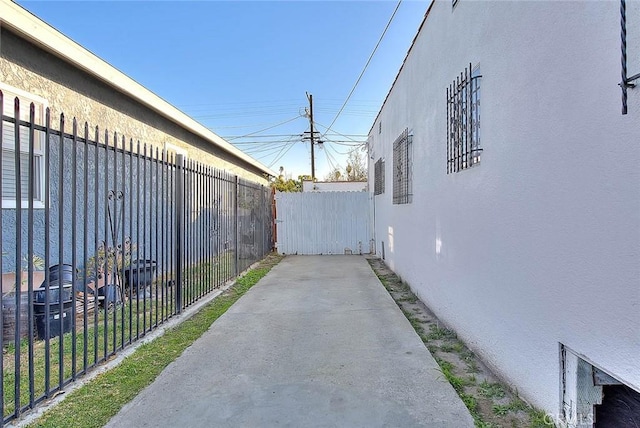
(318,342)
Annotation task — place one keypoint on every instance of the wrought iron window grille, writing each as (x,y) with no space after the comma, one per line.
(402,168)
(463,121)
(378,173)
(626,82)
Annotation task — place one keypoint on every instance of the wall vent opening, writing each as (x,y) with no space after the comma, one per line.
(593,398)
(620,407)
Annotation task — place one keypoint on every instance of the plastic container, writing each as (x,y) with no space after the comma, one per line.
(10,316)
(40,295)
(109,295)
(54,322)
(60,304)
(140,274)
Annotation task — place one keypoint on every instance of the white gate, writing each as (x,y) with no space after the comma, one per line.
(323,222)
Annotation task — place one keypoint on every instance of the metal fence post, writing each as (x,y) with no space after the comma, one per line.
(236,220)
(179,207)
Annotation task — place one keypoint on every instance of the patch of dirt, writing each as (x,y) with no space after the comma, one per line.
(490,402)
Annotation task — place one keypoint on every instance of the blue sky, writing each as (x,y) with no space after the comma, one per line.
(242,67)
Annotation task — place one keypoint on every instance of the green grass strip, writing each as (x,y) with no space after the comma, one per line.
(96,402)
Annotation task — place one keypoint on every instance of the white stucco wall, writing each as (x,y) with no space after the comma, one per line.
(540,243)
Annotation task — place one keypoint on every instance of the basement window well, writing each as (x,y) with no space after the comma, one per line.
(593,398)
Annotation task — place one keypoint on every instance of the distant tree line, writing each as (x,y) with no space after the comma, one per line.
(356,170)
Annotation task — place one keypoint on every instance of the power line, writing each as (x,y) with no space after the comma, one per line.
(267,142)
(242,114)
(270,127)
(366,65)
(239,126)
(295,135)
(330,156)
(281,154)
(274,148)
(240,103)
(343,153)
(355,142)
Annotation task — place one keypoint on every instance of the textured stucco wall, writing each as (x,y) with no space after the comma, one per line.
(73,92)
(145,215)
(539,244)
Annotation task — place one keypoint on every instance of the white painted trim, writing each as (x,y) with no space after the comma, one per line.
(11,204)
(36,31)
(42,104)
(176,149)
(23,94)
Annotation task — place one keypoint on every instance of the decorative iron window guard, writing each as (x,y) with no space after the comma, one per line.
(463,121)
(627,82)
(378,173)
(402,166)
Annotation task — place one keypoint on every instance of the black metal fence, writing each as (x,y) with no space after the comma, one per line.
(103,240)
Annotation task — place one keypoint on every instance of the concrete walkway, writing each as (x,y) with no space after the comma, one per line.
(318,342)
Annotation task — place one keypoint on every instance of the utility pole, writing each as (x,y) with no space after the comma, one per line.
(313,159)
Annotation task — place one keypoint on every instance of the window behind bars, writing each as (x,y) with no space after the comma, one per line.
(463,121)
(402,159)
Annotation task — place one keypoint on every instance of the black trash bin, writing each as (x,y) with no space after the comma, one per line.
(63,273)
(60,306)
(109,296)
(139,275)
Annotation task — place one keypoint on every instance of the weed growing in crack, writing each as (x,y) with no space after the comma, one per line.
(471,402)
(482,424)
(446,368)
(538,419)
(408,297)
(514,406)
(491,390)
(452,349)
(438,332)
(472,366)
(446,348)
(501,409)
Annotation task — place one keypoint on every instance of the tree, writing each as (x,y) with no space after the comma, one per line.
(356,169)
(282,184)
(334,175)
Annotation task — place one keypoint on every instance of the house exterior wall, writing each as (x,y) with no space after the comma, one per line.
(75,93)
(538,245)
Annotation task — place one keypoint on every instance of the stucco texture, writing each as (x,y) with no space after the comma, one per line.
(538,245)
